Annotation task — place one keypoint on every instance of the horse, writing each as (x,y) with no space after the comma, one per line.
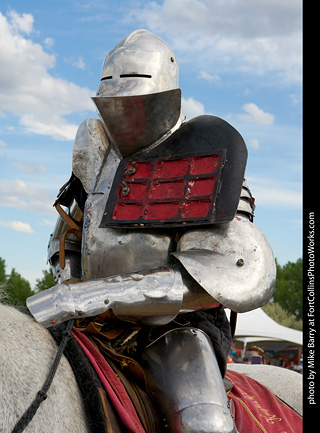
(285,384)
(26,355)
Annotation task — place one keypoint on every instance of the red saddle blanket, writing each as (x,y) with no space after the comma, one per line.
(113,386)
(255,409)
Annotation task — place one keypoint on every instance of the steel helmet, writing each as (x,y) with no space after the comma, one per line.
(138,96)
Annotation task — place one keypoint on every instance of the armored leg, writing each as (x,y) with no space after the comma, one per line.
(186,384)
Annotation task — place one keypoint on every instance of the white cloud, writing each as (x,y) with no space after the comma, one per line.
(57,128)
(49,42)
(22,195)
(192,108)
(17,226)
(79,63)
(22,23)
(254,143)
(256,115)
(39,99)
(282,198)
(30,169)
(76,62)
(209,77)
(46,222)
(276,193)
(231,35)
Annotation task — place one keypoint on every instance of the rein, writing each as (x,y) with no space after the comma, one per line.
(42,394)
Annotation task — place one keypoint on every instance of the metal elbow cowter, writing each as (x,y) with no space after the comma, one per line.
(232,262)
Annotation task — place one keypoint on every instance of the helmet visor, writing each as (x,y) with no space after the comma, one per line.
(135,122)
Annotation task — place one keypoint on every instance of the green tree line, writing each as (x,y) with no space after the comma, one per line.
(17,289)
(285,307)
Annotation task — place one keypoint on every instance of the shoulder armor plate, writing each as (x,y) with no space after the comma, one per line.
(193,177)
(90,147)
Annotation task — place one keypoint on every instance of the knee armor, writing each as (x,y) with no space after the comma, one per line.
(184,380)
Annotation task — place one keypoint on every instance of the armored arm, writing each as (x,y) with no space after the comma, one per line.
(147,297)
(230,264)
(64,249)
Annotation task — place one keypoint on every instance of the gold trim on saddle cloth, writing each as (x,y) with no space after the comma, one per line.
(275,416)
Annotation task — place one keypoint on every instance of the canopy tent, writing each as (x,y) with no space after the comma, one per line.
(256,325)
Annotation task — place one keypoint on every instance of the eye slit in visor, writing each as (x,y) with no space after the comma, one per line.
(109,77)
(135,75)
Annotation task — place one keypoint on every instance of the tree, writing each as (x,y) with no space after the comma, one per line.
(45,282)
(288,290)
(18,289)
(3,277)
(281,316)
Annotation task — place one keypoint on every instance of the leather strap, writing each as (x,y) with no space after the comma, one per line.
(75,229)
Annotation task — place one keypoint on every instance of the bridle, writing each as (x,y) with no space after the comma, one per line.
(42,394)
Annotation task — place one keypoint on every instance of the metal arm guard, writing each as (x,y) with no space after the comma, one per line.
(184,379)
(153,299)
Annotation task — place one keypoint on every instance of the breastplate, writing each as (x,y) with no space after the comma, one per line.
(112,251)
(192,178)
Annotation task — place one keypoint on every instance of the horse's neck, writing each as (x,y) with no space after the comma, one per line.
(26,354)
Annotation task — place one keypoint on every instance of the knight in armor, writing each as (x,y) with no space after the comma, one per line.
(156,235)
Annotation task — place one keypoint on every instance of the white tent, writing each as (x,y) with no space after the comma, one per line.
(256,325)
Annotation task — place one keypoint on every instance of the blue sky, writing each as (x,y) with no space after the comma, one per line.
(239,60)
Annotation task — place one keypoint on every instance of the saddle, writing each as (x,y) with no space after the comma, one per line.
(114,391)
(112,384)
(117,345)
